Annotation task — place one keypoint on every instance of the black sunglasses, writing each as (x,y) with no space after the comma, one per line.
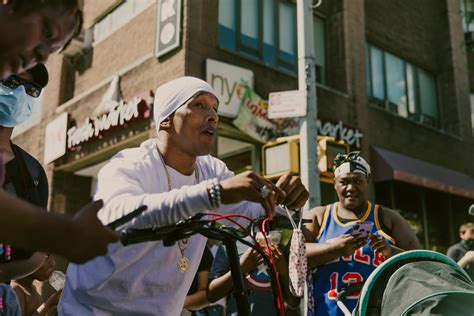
(14,82)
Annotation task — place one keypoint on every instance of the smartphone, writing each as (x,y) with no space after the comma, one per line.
(127,218)
(362,229)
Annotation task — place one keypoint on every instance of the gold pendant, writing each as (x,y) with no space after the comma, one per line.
(183,264)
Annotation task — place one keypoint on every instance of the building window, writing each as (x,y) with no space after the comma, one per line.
(265,30)
(400,87)
(320,49)
(118,17)
(467,10)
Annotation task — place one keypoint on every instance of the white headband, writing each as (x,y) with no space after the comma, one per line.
(172,95)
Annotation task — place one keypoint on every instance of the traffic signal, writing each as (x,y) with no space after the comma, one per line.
(283,156)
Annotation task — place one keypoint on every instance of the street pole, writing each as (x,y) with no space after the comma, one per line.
(307,82)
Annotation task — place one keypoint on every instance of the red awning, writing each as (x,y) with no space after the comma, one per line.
(389,165)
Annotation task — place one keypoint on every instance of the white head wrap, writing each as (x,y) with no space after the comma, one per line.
(172,95)
(355,164)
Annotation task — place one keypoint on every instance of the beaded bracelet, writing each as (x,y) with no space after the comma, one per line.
(215,193)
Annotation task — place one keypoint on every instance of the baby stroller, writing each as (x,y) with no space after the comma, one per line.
(417,282)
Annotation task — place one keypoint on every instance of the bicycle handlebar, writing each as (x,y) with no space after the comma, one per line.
(195,225)
(169,234)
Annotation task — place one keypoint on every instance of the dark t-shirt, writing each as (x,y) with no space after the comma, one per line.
(257,284)
(26,179)
(205,265)
(456,252)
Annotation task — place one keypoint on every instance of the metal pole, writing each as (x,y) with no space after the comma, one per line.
(307,82)
(425,219)
(240,295)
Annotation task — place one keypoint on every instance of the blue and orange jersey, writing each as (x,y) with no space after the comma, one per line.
(329,279)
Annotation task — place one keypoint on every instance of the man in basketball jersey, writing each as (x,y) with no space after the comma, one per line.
(339,256)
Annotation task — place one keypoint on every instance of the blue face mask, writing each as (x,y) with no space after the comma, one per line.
(15,106)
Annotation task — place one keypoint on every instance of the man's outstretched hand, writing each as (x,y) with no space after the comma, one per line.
(248,186)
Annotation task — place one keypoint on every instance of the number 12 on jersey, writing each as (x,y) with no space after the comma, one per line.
(349,278)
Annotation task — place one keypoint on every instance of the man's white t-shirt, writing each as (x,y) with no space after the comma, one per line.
(144,279)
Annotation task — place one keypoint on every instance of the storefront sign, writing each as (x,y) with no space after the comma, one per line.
(253,119)
(167,26)
(351,136)
(287,104)
(229,83)
(55,138)
(119,115)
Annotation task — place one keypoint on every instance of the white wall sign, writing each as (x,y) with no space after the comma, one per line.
(286,104)
(229,82)
(168,25)
(55,138)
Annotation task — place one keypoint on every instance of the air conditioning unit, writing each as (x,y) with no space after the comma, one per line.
(80,44)
(414,117)
(428,120)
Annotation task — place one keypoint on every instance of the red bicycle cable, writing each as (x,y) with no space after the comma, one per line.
(281,306)
(280,303)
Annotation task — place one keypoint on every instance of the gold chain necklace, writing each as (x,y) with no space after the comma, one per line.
(183,262)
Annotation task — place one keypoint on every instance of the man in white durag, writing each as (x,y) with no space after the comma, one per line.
(175,177)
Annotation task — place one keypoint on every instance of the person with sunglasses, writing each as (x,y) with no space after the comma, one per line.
(31,31)
(24,175)
(14,81)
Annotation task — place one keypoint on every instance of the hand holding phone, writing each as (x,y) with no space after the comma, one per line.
(362,229)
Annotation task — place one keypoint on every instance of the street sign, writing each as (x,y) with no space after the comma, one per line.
(287,104)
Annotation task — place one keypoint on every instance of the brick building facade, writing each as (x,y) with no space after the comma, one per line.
(396,71)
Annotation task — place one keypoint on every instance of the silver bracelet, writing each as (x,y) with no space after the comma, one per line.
(215,193)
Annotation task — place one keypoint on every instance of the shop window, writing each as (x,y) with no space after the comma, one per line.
(435,216)
(401,88)
(383,194)
(239,156)
(460,207)
(92,172)
(472,113)
(265,30)
(438,213)
(118,17)
(407,200)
